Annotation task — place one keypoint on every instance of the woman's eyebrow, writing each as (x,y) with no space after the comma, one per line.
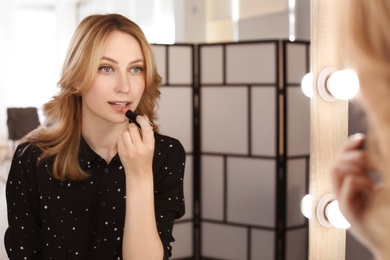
(114,61)
(109,59)
(137,60)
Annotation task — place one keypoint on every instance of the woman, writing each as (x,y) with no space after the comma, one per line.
(88,184)
(362,44)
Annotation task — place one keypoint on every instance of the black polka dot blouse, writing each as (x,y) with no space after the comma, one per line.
(51,219)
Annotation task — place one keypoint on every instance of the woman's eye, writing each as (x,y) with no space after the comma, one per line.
(136,70)
(105,69)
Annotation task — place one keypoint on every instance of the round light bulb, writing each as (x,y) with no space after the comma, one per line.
(343,84)
(291,37)
(335,217)
(306,206)
(307,84)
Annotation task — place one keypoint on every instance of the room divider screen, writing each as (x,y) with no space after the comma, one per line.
(175,64)
(245,124)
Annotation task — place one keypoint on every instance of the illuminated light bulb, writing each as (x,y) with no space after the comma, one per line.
(307,84)
(329,214)
(343,84)
(306,206)
(291,37)
(333,85)
(335,217)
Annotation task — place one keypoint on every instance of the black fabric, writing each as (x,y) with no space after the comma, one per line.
(50,219)
(21,121)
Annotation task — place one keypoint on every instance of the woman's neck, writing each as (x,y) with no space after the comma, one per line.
(103,141)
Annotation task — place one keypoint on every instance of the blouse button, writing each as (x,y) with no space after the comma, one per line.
(106,170)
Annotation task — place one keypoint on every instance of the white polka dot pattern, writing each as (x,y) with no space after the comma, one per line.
(50,219)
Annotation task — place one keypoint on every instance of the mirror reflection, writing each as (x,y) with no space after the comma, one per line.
(230,93)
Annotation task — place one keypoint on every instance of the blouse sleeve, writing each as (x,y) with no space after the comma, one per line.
(23,235)
(169,197)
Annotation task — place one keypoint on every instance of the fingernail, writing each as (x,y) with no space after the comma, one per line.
(357,136)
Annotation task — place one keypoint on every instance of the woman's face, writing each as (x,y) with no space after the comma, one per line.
(119,82)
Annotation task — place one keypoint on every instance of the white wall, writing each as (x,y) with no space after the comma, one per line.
(155,17)
(303,19)
(31,58)
(190,16)
(266,21)
(6,11)
(257,27)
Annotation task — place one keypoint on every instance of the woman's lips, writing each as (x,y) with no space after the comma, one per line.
(119,106)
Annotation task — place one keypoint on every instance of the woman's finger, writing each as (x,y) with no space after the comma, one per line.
(354,195)
(355,141)
(353,162)
(147,129)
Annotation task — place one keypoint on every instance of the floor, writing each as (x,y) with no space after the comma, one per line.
(5,163)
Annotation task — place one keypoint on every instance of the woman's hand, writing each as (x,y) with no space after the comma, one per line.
(136,148)
(365,204)
(140,235)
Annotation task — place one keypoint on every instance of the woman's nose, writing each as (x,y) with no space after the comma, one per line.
(123,83)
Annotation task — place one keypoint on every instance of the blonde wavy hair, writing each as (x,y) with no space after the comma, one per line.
(60,135)
(361,41)
(362,36)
